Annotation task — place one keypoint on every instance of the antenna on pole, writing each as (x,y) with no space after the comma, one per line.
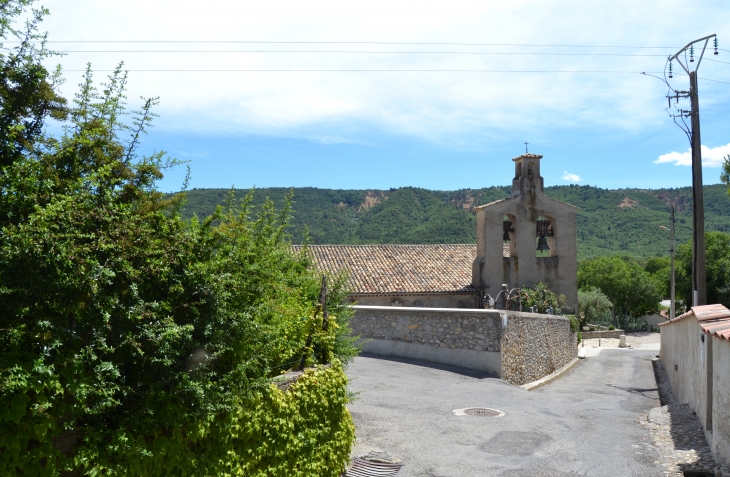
(699,290)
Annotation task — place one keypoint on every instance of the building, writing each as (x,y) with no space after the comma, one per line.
(431,276)
(695,353)
(541,234)
(509,234)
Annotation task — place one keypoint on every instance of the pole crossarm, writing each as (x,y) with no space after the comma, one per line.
(690,44)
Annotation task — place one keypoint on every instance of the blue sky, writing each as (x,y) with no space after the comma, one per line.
(590,113)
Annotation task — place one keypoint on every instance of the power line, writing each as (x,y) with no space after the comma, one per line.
(374,70)
(358,43)
(356,52)
(714,81)
(717,61)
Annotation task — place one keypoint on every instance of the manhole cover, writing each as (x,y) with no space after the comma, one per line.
(481,411)
(478,411)
(365,468)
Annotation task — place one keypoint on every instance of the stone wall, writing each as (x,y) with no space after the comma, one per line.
(518,347)
(535,345)
(616,334)
(475,329)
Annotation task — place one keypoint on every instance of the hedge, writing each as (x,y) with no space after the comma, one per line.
(305,431)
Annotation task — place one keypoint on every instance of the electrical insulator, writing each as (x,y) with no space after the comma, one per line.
(715,44)
(670,69)
(692,54)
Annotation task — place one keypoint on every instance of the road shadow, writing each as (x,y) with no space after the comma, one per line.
(431,365)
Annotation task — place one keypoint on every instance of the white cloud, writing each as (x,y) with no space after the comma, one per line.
(442,107)
(711,157)
(567,176)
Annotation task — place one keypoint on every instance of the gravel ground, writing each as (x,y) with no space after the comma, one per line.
(678,436)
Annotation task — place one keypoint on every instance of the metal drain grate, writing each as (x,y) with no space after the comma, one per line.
(481,411)
(478,411)
(365,468)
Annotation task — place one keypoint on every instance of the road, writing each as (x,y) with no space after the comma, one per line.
(583,424)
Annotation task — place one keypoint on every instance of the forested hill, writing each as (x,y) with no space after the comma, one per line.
(610,222)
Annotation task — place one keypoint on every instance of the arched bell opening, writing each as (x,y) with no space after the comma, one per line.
(509,245)
(545,237)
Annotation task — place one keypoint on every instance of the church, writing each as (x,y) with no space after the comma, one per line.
(522,240)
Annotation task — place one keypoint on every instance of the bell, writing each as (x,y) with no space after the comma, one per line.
(542,245)
(506,229)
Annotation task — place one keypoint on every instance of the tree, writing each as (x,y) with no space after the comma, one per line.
(123,325)
(660,269)
(631,290)
(592,305)
(725,174)
(717,263)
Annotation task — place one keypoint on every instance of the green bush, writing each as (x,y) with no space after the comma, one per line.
(541,298)
(134,342)
(593,306)
(611,328)
(575,326)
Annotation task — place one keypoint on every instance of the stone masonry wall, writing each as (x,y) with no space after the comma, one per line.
(615,334)
(468,329)
(535,345)
(532,345)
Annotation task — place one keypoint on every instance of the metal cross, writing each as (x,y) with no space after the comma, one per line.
(526,143)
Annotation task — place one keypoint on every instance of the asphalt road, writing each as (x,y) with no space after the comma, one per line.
(583,424)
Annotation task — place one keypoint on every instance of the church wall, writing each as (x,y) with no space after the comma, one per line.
(558,269)
(433,300)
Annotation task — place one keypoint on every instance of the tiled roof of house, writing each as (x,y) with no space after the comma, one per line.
(382,269)
(713,320)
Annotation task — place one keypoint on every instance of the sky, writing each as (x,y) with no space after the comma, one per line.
(434,94)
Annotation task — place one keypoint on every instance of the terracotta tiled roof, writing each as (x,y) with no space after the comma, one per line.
(713,320)
(380,269)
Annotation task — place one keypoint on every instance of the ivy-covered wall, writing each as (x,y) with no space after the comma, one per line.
(304,431)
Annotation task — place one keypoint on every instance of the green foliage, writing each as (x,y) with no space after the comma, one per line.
(574,324)
(725,174)
(134,342)
(631,290)
(303,432)
(593,306)
(610,222)
(660,270)
(717,269)
(541,298)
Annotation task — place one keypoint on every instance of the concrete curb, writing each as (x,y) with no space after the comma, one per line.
(551,377)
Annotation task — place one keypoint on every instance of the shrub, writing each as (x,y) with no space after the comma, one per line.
(131,337)
(593,306)
(541,298)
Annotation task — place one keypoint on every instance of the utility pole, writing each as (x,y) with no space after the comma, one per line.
(699,290)
(671,265)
